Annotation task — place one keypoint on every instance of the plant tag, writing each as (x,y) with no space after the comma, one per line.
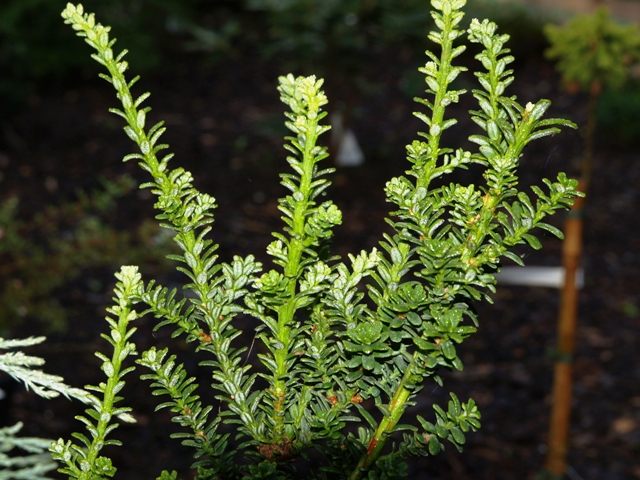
(537,276)
(349,152)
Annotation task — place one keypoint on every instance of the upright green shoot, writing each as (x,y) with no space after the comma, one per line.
(377,326)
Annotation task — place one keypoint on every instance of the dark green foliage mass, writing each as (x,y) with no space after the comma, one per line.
(377,325)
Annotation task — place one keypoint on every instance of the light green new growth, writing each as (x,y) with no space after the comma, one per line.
(327,343)
(84,462)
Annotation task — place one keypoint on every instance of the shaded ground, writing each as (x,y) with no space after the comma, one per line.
(225,126)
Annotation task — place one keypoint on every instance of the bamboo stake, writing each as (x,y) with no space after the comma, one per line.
(556,462)
(567,321)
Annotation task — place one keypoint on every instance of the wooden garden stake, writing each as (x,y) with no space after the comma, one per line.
(567,321)
(556,462)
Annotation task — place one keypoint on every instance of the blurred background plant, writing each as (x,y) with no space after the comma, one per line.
(308,30)
(317,35)
(595,53)
(39,257)
(33,460)
(618,115)
(593,49)
(332,30)
(34,49)
(27,457)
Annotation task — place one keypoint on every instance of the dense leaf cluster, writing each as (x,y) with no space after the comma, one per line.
(334,334)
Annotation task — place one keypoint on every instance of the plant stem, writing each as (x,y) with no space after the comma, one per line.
(122,349)
(296,247)
(435,130)
(386,426)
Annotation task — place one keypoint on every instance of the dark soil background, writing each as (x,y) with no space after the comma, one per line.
(225,126)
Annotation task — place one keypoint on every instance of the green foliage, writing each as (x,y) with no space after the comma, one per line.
(333,333)
(594,48)
(40,256)
(83,461)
